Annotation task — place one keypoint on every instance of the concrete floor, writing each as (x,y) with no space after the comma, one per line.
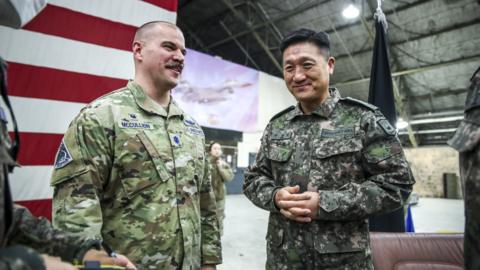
(246,226)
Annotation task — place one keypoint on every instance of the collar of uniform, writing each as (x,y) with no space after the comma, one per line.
(324,110)
(147,104)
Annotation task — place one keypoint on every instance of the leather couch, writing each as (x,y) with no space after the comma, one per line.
(417,251)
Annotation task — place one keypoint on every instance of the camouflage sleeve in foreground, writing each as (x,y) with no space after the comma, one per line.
(20,258)
(211,245)
(78,185)
(226,172)
(38,233)
(259,186)
(388,180)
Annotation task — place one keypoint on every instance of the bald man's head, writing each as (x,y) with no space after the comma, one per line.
(144,32)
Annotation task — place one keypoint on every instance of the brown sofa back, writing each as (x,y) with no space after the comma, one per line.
(417,251)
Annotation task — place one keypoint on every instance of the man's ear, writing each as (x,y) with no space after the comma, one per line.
(137,47)
(331,65)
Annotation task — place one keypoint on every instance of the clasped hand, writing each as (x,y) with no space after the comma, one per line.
(301,207)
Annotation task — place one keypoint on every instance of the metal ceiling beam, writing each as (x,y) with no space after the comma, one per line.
(278,35)
(440,93)
(437,114)
(284,16)
(430,131)
(228,3)
(196,38)
(441,31)
(436,120)
(415,70)
(239,45)
(354,63)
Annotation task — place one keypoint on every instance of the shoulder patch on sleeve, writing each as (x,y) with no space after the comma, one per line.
(386,126)
(63,156)
(282,112)
(360,102)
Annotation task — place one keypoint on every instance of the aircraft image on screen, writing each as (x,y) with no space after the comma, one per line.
(208,95)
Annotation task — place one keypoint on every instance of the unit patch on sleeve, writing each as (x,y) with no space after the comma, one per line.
(63,156)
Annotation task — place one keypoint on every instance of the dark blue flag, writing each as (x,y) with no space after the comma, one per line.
(381,95)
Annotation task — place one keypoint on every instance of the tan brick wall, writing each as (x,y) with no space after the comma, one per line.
(428,166)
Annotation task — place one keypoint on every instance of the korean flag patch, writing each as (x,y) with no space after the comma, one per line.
(63,156)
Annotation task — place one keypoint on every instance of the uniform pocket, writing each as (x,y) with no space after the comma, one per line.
(331,147)
(335,162)
(141,167)
(279,153)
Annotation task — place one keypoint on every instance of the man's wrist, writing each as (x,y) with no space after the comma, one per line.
(85,247)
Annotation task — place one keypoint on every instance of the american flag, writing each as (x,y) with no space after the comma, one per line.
(72,52)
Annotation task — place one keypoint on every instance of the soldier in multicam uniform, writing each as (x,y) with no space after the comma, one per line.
(467,142)
(221,173)
(324,167)
(132,169)
(27,242)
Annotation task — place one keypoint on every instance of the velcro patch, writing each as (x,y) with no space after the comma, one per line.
(189,122)
(175,140)
(345,132)
(389,129)
(136,125)
(195,131)
(63,156)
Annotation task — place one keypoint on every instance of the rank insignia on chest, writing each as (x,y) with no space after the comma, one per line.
(63,156)
(175,140)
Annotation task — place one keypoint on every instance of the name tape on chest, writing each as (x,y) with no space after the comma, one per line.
(132,121)
(345,132)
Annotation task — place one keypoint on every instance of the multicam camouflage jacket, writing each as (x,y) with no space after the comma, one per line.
(348,152)
(220,175)
(467,142)
(137,176)
(24,237)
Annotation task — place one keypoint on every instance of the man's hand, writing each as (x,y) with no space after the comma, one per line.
(103,258)
(54,263)
(209,267)
(301,207)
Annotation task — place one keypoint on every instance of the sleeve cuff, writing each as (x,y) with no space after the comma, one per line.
(328,201)
(86,246)
(274,208)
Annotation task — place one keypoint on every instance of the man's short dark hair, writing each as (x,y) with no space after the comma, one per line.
(319,39)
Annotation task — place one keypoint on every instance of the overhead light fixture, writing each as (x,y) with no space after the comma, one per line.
(351,12)
(401,124)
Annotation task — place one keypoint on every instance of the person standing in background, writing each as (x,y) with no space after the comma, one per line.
(221,173)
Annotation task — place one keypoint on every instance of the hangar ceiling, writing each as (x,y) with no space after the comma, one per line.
(434,48)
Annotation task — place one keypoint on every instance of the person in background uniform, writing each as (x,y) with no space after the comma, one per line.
(324,167)
(221,173)
(31,243)
(132,169)
(467,142)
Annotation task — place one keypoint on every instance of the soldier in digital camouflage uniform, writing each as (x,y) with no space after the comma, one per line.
(467,142)
(221,173)
(132,169)
(324,167)
(27,242)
